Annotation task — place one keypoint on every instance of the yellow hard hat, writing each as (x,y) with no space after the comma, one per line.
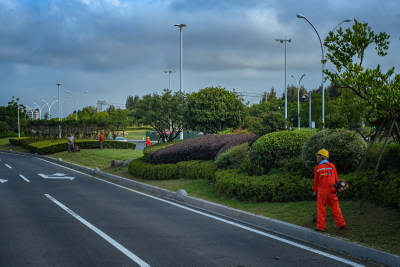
(148,137)
(323,153)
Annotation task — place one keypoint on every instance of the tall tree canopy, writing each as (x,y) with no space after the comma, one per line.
(380,90)
(163,112)
(214,109)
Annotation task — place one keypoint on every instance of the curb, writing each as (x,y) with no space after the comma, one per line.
(293,231)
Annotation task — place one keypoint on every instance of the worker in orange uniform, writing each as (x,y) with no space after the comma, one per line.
(325,175)
(101,140)
(148,141)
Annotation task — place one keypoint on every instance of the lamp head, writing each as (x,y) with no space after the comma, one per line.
(180,25)
(300,16)
(348,20)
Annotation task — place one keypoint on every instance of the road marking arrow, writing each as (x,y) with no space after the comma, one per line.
(3,181)
(56,176)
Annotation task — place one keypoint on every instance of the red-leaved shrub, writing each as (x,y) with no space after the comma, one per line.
(203,148)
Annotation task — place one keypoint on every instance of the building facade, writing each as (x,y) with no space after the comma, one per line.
(33,113)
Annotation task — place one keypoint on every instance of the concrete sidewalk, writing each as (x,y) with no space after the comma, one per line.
(280,227)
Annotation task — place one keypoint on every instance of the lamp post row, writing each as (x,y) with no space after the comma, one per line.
(322,73)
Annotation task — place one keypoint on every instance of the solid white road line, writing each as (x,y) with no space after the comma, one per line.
(100,233)
(223,220)
(23,177)
(8,166)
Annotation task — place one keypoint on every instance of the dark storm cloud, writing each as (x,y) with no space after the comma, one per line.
(100,45)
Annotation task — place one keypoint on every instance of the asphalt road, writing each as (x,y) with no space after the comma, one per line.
(54,216)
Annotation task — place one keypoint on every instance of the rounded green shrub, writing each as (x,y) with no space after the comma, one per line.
(267,122)
(276,146)
(234,157)
(346,149)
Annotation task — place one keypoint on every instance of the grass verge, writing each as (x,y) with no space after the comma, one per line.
(5,144)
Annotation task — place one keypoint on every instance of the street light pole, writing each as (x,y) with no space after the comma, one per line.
(298,99)
(181,68)
(300,16)
(285,41)
(63,103)
(47,107)
(169,77)
(59,111)
(76,105)
(181,63)
(19,131)
(40,110)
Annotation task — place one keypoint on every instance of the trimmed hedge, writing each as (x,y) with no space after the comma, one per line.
(11,134)
(149,149)
(272,188)
(203,148)
(346,149)
(23,141)
(194,169)
(276,146)
(50,146)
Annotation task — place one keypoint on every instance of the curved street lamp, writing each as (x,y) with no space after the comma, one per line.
(300,16)
(76,104)
(48,117)
(51,106)
(40,109)
(298,100)
(69,97)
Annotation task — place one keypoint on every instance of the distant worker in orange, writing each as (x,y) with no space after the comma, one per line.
(325,176)
(148,141)
(101,140)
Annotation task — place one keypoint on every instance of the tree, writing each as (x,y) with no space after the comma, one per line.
(379,90)
(272,94)
(9,114)
(163,112)
(214,109)
(87,113)
(346,51)
(267,122)
(131,102)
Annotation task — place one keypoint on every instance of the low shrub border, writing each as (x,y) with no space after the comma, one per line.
(194,169)
(44,147)
(273,188)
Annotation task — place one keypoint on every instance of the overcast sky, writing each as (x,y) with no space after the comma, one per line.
(116,48)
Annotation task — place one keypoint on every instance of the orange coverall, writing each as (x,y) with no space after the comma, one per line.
(325,175)
(148,142)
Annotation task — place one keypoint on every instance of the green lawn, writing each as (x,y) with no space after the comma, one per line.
(93,158)
(137,133)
